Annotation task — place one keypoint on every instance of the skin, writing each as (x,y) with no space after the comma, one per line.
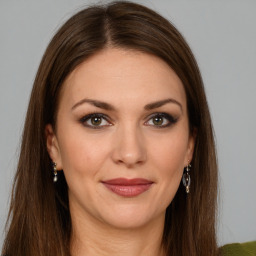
(129,143)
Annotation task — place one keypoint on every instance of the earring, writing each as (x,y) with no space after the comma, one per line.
(55,178)
(186,178)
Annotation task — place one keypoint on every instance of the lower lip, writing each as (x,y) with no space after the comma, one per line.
(128,190)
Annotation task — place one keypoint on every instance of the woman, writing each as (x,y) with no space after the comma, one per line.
(118,154)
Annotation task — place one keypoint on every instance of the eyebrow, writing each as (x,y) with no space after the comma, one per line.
(96,103)
(160,103)
(107,106)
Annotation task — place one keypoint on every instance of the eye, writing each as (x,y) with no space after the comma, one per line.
(95,121)
(161,120)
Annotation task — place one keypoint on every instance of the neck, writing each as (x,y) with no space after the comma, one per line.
(100,239)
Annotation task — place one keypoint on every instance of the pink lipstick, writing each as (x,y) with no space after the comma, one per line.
(128,187)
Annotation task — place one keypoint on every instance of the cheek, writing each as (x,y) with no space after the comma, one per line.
(170,151)
(168,155)
(166,160)
(82,153)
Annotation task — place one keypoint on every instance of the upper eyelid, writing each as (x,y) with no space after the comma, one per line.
(163,114)
(88,116)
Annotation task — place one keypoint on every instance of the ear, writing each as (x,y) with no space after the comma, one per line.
(53,146)
(191,146)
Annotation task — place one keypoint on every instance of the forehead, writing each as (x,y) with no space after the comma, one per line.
(118,75)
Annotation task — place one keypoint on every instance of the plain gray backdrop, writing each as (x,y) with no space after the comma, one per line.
(222,35)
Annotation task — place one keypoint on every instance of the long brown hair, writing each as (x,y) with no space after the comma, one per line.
(39,219)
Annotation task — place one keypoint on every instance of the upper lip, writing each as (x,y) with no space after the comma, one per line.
(127,182)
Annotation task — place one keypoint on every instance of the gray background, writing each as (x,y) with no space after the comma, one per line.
(222,35)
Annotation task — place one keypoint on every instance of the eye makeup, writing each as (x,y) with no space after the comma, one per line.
(95,121)
(161,120)
(156,120)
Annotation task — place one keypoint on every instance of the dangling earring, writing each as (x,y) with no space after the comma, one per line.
(55,178)
(186,178)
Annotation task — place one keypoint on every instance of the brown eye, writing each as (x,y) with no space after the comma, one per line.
(158,120)
(161,120)
(96,121)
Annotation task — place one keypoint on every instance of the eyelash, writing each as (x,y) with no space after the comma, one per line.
(86,118)
(168,118)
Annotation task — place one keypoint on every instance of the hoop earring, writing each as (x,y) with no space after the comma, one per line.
(186,178)
(55,177)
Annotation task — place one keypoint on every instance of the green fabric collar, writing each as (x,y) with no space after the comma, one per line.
(236,249)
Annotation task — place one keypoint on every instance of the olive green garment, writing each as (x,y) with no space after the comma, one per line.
(245,249)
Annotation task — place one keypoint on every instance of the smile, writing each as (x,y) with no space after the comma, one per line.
(128,187)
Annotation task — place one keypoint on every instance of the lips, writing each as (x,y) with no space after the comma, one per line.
(128,187)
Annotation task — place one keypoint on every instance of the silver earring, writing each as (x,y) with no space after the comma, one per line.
(186,178)
(55,178)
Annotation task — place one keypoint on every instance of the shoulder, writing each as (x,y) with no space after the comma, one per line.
(244,249)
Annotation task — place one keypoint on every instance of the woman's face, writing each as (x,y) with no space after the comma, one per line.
(122,138)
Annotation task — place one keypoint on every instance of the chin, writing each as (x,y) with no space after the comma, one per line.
(131,217)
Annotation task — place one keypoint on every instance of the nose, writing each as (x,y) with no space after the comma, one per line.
(129,147)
